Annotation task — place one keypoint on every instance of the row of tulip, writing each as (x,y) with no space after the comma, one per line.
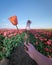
(43,39)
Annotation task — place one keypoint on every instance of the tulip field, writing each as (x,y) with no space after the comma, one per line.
(43,39)
(11,38)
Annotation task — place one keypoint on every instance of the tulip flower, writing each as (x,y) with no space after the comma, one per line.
(14,21)
(28,25)
(27,29)
(46,49)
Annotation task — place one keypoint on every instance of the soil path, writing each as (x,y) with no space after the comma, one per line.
(20,57)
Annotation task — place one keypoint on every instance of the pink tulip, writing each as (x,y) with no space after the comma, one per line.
(46,49)
(37,43)
(48,42)
(5,34)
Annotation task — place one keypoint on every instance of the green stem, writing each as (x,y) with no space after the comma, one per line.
(17,28)
(28,36)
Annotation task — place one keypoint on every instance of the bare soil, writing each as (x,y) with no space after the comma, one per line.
(20,57)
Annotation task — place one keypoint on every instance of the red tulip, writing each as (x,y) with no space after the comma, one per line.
(48,42)
(13,20)
(15,34)
(46,49)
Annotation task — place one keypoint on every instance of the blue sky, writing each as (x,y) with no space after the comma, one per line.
(38,11)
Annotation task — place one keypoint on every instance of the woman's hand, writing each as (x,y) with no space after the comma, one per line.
(29,48)
(35,55)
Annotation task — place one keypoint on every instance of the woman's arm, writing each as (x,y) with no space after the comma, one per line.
(35,55)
